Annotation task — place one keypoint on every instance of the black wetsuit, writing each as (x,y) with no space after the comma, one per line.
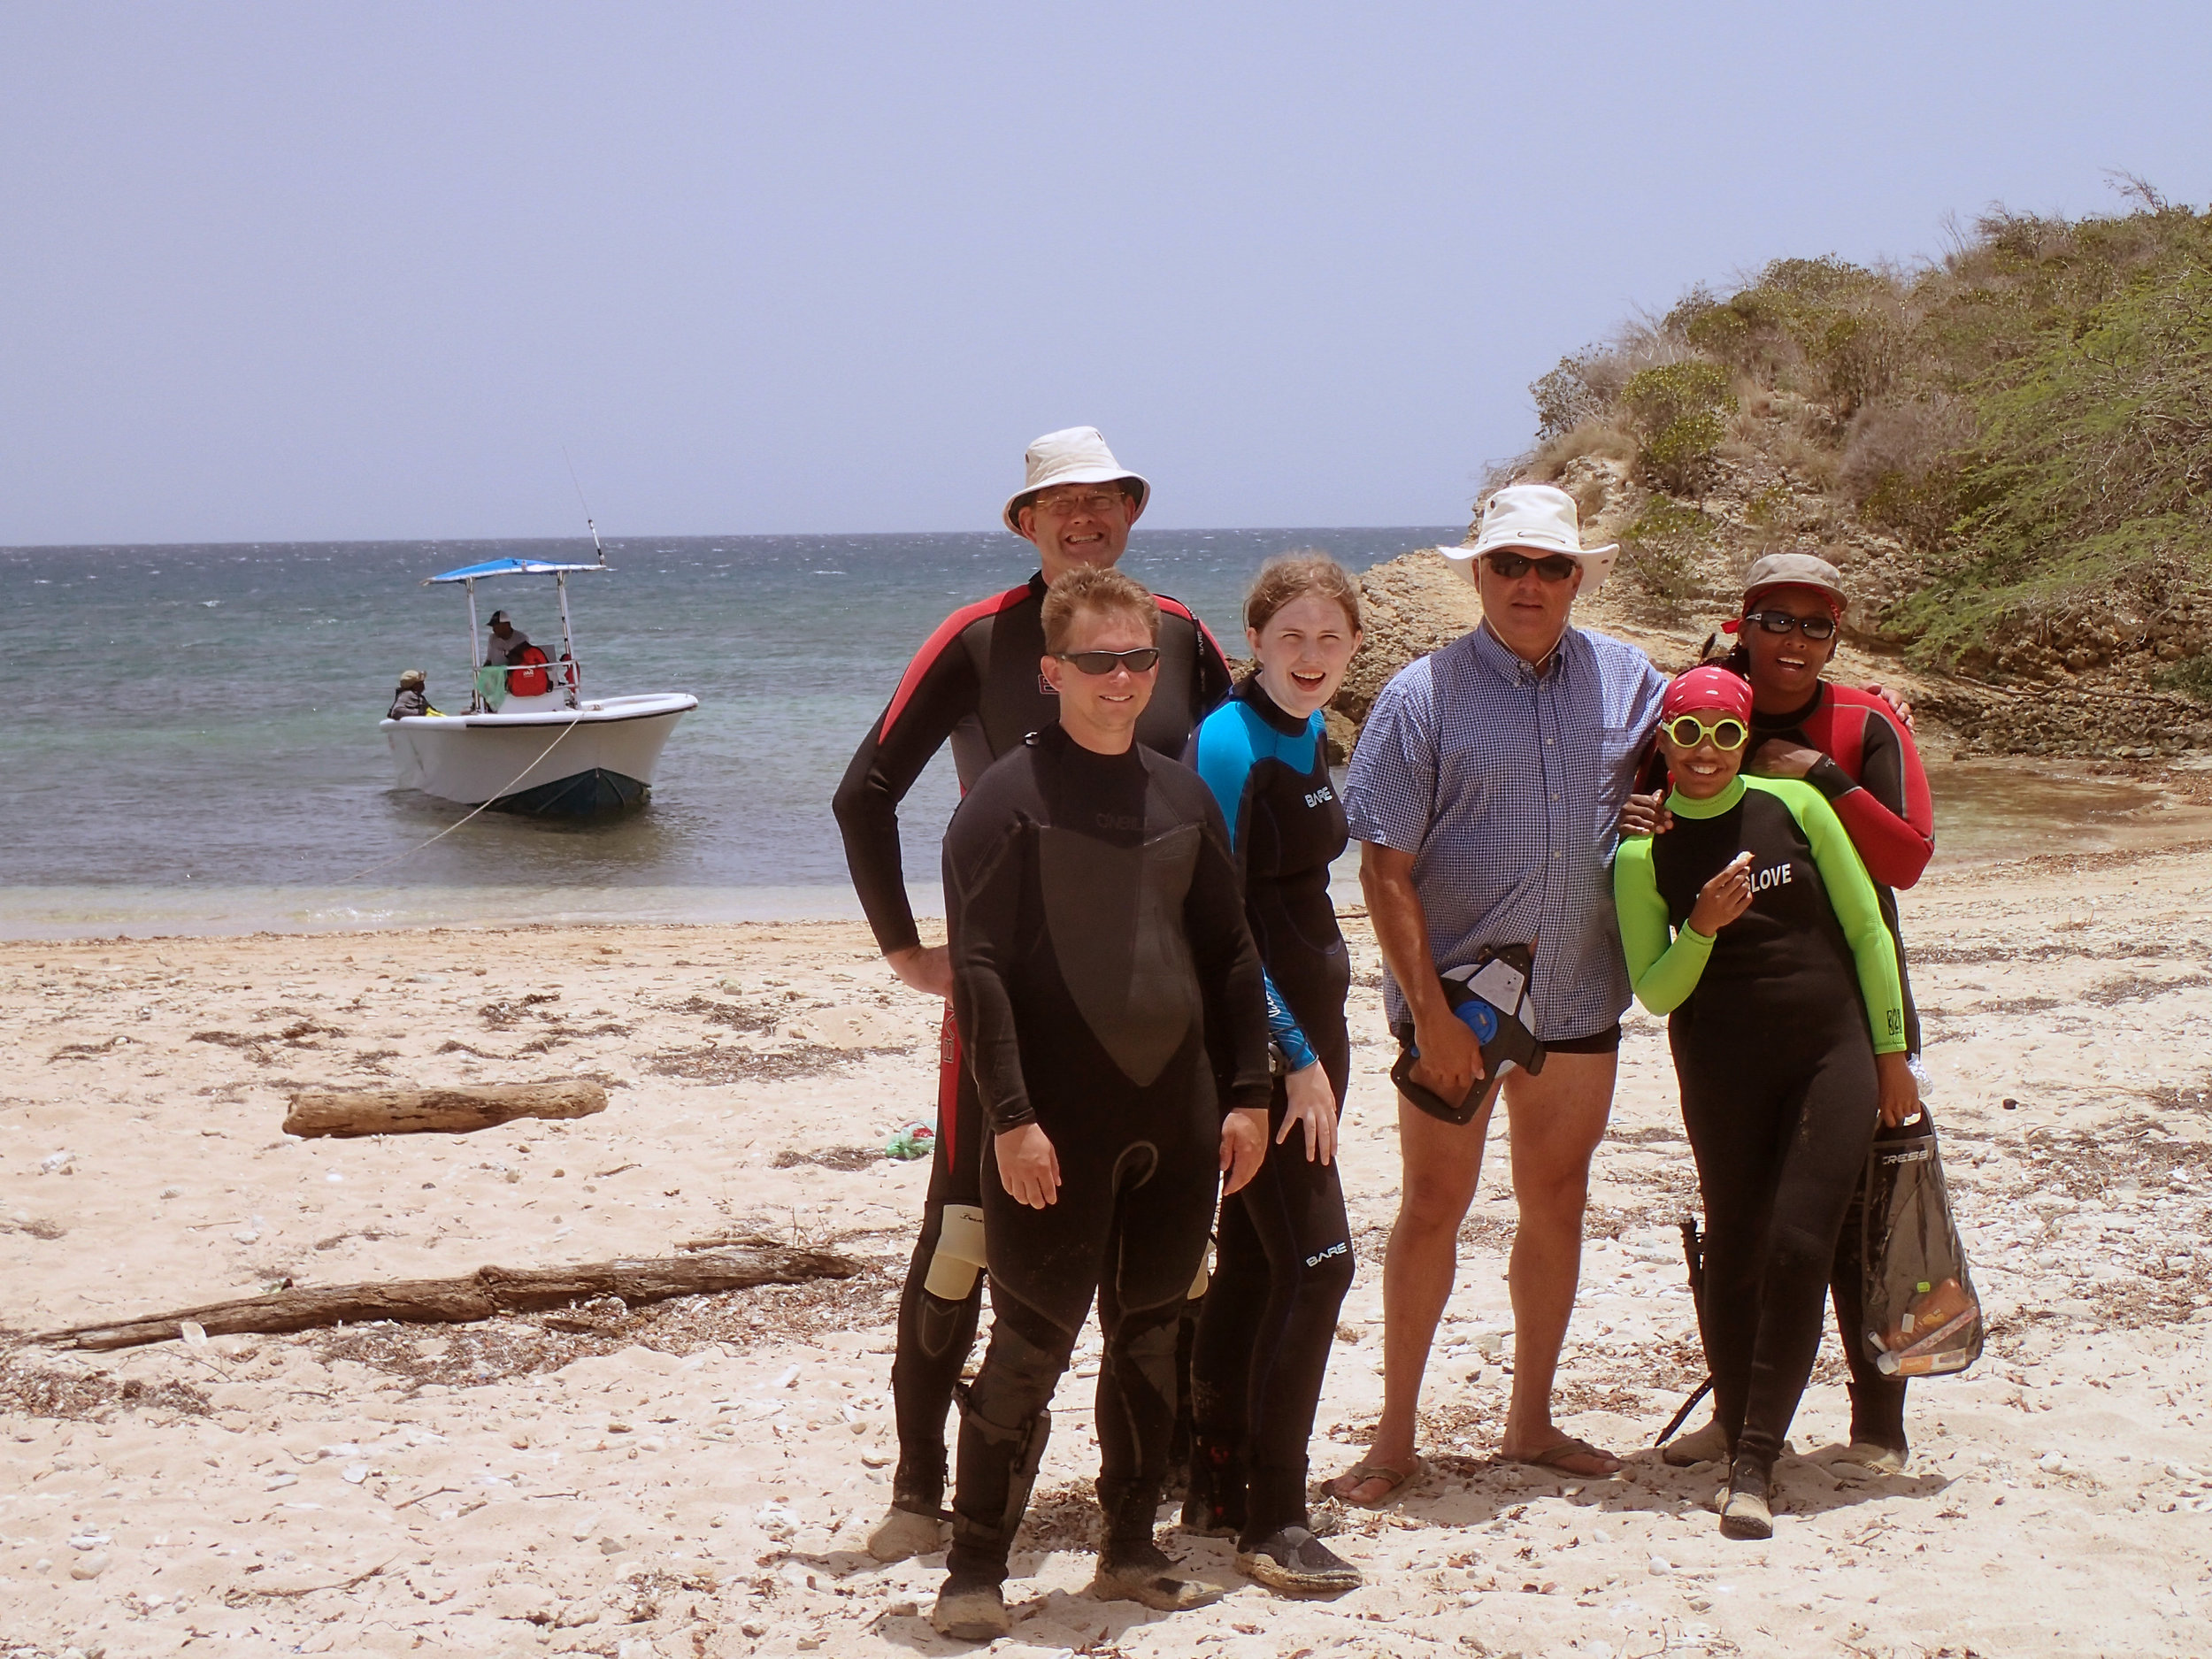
(1870,771)
(1098,945)
(1284,1257)
(975,681)
(1775,1024)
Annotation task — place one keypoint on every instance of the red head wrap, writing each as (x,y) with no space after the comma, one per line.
(1710,686)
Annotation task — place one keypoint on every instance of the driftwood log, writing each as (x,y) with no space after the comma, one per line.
(409,1112)
(485,1291)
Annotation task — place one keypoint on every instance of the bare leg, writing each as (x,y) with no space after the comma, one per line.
(1442,1166)
(1557,1120)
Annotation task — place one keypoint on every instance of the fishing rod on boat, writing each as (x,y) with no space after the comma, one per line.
(586,505)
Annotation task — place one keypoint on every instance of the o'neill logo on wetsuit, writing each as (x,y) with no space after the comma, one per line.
(1777,877)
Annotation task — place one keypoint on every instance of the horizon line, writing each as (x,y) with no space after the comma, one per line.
(636,537)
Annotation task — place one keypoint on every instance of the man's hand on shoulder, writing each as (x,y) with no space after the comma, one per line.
(924,968)
(1029,1165)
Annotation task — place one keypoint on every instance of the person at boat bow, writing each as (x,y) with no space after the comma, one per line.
(413,696)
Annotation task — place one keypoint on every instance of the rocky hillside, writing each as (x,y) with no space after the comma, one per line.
(2008,452)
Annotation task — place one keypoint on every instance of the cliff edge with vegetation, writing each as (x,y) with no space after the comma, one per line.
(2008,452)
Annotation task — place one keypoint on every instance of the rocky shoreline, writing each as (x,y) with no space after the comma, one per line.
(1416,603)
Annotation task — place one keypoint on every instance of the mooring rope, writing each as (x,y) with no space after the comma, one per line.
(457,824)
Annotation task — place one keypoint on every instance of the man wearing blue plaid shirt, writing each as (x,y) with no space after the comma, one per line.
(1486,789)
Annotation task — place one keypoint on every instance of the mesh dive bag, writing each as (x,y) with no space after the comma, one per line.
(1922,1316)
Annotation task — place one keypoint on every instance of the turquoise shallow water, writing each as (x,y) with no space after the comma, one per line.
(195,738)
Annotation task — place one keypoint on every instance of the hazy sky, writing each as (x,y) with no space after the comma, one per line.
(323,271)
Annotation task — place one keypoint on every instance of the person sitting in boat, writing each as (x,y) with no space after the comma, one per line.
(412,697)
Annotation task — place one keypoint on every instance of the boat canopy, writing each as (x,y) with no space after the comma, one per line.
(508,567)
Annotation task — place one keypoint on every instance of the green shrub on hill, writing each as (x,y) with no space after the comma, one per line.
(1681,411)
(1664,545)
(2030,417)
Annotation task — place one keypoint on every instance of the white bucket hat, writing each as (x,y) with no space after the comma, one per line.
(1542,518)
(1074,455)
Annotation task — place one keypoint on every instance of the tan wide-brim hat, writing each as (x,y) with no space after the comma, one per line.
(1074,455)
(1538,519)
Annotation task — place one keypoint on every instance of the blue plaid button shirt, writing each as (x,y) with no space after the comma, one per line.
(1506,784)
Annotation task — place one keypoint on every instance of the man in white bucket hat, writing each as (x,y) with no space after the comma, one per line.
(1487,786)
(976,681)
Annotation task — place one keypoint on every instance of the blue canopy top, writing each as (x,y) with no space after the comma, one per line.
(507,567)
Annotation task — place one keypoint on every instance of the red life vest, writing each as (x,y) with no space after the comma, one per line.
(528,681)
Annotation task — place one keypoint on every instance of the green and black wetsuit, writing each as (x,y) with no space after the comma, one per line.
(1775,1024)
(1098,943)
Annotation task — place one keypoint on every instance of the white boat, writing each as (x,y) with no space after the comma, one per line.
(533,740)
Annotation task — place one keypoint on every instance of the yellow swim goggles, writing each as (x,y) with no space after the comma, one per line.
(1727,732)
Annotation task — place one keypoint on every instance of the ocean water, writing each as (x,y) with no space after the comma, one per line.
(194,740)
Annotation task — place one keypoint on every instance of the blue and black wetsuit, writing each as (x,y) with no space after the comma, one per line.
(1285,1260)
(1104,979)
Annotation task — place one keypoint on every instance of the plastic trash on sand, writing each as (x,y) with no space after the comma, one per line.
(918,1140)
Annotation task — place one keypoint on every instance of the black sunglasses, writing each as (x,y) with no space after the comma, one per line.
(1782,622)
(1137,662)
(1555,567)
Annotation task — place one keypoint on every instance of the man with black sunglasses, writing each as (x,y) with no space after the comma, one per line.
(1486,786)
(976,682)
(1098,947)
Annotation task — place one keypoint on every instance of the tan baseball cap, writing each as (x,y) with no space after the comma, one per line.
(1795,570)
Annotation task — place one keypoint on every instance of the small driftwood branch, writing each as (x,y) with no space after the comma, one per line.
(453,1111)
(481,1294)
(238,1594)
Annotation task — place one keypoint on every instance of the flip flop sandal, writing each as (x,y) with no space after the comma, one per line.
(1551,1456)
(1363,1471)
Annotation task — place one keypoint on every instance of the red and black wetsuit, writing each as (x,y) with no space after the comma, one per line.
(975,681)
(1870,771)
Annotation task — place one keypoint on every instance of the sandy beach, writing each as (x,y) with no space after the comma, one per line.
(693,1477)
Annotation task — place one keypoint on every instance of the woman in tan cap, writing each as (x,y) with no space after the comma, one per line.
(1856,747)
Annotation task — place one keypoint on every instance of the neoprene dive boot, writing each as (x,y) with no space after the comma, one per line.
(972,1609)
(1708,1445)
(1133,1568)
(1292,1560)
(914,1525)
(1743,1510)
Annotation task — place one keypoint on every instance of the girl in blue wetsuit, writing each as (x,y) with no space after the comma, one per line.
(1284,1245)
